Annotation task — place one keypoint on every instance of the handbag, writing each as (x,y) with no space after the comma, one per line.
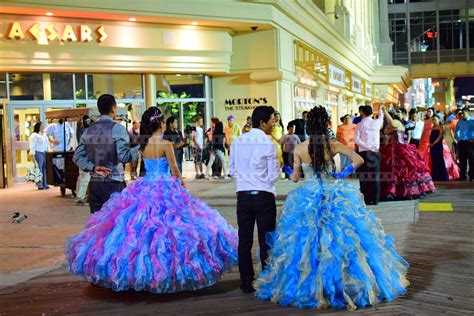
(33,174)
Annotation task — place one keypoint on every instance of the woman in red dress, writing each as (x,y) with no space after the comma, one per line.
(424,148)
(403,173)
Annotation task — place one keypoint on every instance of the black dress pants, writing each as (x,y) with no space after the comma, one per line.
(100,191)
(466,154)
(369,176)
(260,207)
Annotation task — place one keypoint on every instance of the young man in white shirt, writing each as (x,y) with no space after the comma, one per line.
(255,166)
(198,147)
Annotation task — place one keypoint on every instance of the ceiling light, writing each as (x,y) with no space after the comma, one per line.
(49,13)
(178,75)
(194,23)
(132,19)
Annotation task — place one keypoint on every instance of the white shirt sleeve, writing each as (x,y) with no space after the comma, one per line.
(273,164)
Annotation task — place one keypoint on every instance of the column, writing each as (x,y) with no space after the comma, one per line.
(47,86)
(150,90)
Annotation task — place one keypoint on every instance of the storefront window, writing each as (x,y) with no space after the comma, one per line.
(190,85)
(80,92)
(26,86)
(121,86)
(61,86)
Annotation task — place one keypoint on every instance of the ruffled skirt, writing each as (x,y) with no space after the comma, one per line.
(329,251)
(153,236)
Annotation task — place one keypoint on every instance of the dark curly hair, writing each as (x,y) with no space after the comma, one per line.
(152,120)
(317,128)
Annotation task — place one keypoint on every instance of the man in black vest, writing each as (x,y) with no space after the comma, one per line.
(104,149)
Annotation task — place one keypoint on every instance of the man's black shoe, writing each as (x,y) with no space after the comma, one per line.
(247,288)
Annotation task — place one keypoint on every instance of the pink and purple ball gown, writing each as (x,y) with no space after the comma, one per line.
(153,236)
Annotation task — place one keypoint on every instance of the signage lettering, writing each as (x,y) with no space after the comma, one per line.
(244,103)
(84,32)
(16,32)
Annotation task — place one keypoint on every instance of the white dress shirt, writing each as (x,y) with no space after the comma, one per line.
(367,133)
(418,130)
(38,142)
(254,162)
(56,130)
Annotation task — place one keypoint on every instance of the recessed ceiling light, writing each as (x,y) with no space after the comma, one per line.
(194,23)
(49,13)
(132,19)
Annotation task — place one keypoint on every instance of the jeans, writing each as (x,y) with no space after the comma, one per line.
(40,158)
(220,155)
(260,208)
(82,184)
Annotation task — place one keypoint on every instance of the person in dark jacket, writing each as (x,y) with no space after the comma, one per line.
(217,147)
(300,126)
(175,136)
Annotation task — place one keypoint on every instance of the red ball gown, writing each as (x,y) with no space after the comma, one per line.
(403,173)
(424,149)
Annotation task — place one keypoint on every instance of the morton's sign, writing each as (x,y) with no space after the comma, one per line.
(44,33)
(244,103)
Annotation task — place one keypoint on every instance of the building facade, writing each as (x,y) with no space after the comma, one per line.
(200,57)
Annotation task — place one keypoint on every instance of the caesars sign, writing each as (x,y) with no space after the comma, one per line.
(47,33)
(244,104)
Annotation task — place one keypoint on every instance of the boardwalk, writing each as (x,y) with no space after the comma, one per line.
(438,245)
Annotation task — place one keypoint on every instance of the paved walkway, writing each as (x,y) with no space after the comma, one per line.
(438,245)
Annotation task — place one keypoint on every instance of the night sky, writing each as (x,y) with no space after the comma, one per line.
(464,86)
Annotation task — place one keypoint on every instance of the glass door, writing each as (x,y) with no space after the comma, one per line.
(23,120)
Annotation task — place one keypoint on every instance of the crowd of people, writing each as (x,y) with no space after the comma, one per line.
(153,235)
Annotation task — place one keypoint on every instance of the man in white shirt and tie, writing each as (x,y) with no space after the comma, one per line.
(255,167)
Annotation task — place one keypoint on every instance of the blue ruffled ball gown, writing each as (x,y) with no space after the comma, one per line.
(153,236)
(328,250)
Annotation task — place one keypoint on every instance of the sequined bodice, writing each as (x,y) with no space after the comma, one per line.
(156,167)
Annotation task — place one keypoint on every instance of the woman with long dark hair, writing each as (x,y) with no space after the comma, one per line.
(154,236)
(38,148)
(424,148)
(328,250)
(216,147)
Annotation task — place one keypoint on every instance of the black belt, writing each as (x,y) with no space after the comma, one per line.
(255,192)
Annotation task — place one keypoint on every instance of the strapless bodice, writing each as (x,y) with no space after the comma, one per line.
(156,167)
(309,173)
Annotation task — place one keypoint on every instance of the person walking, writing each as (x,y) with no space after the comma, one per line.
(254,166)
(198,147)
(367,138)
(104,149)
(84,177)
(464,135)
(134,134)
(38,148)
(173,135)
(217,147)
